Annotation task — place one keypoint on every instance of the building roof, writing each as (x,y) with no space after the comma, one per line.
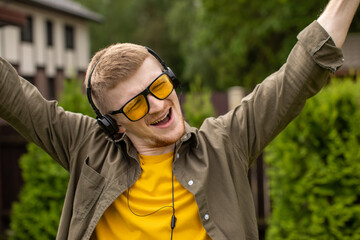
(9,16)
(66,6)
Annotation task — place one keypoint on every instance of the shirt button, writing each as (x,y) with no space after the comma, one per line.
(177,155)
(190,182)
(206,216)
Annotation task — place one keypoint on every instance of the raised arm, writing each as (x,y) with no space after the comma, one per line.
(337,17)
(58,132)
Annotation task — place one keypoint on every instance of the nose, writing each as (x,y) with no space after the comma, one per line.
(156,105)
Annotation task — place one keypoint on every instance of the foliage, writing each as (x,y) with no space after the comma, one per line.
(73,98)
(184,22)
(250,39)
(37,214)
(198,104)
(314,169)
(141,22)
(226,42)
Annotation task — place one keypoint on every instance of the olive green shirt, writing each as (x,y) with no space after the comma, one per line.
(211,162)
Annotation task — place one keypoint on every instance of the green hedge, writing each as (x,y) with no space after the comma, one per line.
(198,104)
(37,214)
(314,169)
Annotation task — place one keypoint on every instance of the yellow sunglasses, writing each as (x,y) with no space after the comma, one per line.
(137,107)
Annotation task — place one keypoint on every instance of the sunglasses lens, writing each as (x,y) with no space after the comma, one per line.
(162,87)
(136,108)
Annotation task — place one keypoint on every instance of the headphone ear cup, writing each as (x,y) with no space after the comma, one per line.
(108,125)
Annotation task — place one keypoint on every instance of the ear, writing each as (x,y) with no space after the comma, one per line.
(121,129)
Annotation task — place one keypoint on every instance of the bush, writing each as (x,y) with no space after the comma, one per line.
(315,169)
(37,214)
(198,104)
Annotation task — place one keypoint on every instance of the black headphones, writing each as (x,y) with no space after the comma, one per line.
(106,122)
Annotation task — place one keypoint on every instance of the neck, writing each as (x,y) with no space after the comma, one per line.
(152,151)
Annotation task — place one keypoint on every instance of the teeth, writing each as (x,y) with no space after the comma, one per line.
(156,122)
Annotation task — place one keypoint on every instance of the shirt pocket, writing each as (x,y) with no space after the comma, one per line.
(88,190)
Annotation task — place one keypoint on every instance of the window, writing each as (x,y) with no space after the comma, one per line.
(27,30)
(49,33)
(69,37)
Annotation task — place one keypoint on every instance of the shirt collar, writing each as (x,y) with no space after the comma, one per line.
(190,135)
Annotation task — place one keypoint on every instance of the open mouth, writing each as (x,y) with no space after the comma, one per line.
(163,120)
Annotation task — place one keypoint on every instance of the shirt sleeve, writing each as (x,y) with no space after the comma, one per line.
(265,112)
(43,122)
(318,43)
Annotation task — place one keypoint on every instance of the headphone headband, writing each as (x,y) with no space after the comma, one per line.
(88,91)
(152,52)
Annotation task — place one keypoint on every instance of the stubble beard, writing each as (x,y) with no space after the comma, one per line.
(169,140)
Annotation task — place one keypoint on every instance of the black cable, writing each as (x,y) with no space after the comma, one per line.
(128,201)
(173,218)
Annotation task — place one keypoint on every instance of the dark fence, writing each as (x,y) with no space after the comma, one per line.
(260,189)
(12,146)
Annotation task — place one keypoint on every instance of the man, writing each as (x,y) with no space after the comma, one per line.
(155,177)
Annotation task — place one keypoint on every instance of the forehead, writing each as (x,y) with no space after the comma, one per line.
(128,88)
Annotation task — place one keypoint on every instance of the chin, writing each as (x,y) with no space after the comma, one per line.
(171,138)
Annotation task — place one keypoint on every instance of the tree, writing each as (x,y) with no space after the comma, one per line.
(230,43)
(226,42)
(250,39)
(141,22)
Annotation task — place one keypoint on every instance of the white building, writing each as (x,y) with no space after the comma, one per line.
(52,43)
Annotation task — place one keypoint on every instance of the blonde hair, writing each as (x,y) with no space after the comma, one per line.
(114,64)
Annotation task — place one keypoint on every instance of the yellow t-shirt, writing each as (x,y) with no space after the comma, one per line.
(152,191)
